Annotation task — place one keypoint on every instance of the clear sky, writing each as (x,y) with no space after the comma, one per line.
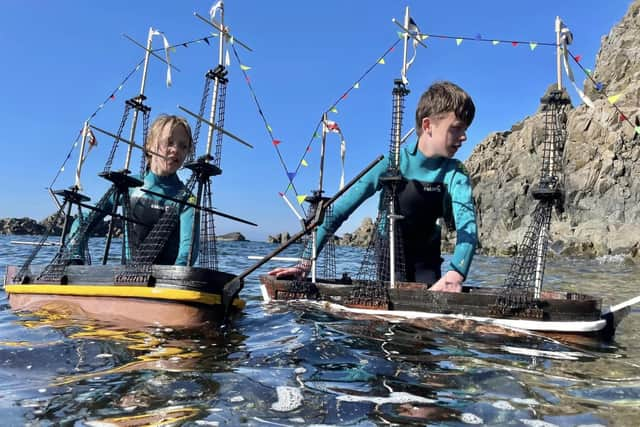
(62,59)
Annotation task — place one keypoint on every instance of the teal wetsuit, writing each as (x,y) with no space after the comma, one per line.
(432,188)
(147,209)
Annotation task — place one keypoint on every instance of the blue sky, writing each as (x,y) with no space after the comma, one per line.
(62,59)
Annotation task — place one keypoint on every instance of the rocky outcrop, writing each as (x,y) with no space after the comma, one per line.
(20,226)
(360,237)
(231,237)
(280,238)
(602,164)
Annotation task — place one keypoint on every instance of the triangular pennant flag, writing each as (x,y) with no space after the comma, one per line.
(495,42)
(291,175)
(334,110)
(231,40)
(289,187)
(344,96)
(316,135)
(269,128)
(301,198)
(381,61)
(185,45)
(276,141)
(613,98)
(280,194)
(304,163)
(424,36)
(578,58)
(588,70)
(308,149)
(113,96)
(638,130)
(244,67)
(533,45)
(514,44)
(598,86)
(400,34)
(357,85)
(458,41)
(206,40)
(622,117)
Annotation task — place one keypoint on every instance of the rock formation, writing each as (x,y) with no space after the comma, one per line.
(602,164)
(231,237)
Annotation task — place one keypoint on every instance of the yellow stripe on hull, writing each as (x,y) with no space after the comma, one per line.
(178,295)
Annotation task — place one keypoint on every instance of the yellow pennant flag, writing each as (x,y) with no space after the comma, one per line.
(458,41)
(424,36)
(244,67)
(356,86)
(301,198)
(495,42)
(381,61)
(533,45)
(334,110)
(304,163)
(613,98)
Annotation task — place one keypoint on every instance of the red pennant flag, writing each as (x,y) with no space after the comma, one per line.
(112,96)
(514,44)
(622,117)
(343,96)
(280,194)
(276,141)
(578,58)
(308,149)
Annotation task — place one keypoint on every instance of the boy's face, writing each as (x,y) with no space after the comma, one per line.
(174,145)
(442,135)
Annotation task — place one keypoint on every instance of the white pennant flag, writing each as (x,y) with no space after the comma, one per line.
(331,126)
(566,38)
(166,52)
(214,10)
(415,31)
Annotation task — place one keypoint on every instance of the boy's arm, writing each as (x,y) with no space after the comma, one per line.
(464,215)
(349,202)
(186,223)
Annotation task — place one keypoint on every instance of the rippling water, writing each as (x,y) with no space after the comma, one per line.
(289,365)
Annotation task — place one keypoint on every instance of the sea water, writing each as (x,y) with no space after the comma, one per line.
(289,365)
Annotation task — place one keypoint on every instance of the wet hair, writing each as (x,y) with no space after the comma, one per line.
(156,128)
(443,97)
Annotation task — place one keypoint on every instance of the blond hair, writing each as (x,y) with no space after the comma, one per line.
(158,124)
(441,98)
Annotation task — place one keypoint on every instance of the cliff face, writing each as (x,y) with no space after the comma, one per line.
(602,164)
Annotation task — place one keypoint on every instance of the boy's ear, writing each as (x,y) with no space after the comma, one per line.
(426,125)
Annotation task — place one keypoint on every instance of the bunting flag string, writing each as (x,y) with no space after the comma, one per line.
(333,108)
(612,99)
(478,38)
(274,141)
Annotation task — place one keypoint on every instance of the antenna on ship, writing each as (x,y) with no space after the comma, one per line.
(208,165)
(523,285)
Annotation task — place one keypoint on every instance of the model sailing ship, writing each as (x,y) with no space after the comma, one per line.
(381,289)
(136,289)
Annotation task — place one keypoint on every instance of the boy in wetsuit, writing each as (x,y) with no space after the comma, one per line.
(436,185)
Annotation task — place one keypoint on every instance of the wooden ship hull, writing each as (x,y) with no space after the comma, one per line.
(556,313)
(173,296)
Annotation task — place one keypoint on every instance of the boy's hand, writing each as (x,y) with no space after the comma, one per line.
(450,282)
(298,271)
